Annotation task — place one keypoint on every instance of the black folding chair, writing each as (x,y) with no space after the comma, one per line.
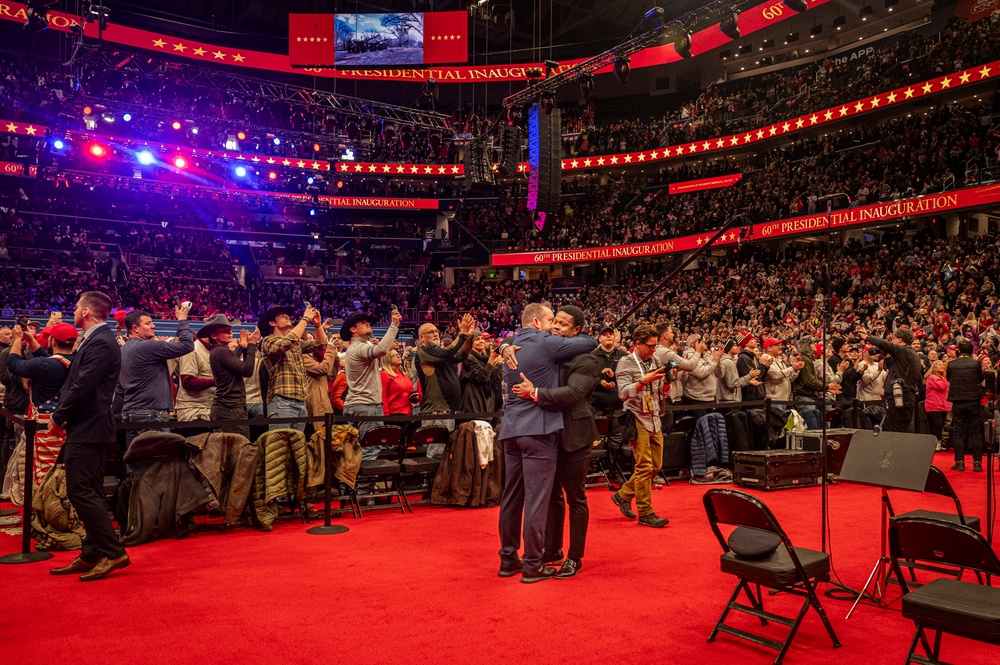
(937,483)
(416,463)
(600,466)
(385,469)
(789,569)
(945,605)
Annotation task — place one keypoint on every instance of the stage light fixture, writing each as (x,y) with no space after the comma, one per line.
(38,16)
(316,147)
(623,67)
(176,124)
(310,180)
(796,5)
(194,130)
(730,26)
(655,16)
(97,150)
(683,45)
(87,110)
(514,116)
(180,162)
(241,171)
(241,135)
(145,157)
(548,102)
(272,176)
(127,117)
(108,117)
(276,141)
(58,144)
(312,212)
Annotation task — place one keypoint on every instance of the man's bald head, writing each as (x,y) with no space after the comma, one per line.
(5,335)
(429,335)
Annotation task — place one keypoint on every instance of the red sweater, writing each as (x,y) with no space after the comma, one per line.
(396,394)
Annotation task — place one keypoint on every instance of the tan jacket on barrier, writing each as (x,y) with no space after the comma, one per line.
(281,471)
(346,456)
(228,463)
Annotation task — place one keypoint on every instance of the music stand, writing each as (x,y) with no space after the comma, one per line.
(894,460)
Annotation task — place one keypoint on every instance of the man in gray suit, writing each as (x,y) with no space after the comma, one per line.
(530,441)
(577,378)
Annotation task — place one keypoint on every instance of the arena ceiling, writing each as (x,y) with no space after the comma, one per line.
(510,31)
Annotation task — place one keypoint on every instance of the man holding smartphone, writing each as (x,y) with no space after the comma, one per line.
(640,385)
(283,349)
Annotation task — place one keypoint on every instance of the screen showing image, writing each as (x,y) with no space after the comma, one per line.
(379,40)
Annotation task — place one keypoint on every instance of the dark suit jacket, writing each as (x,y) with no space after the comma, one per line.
(537,359)
(85,399)
(577,378)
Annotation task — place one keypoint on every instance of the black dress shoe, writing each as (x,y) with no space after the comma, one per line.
(552,557)
(509,570)
(543,573)
(623,505)
(569,568)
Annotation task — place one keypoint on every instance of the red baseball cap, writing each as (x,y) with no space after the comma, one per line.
(770,341)
(63,332)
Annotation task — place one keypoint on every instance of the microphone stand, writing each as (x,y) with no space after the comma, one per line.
(823,447)
(683,263)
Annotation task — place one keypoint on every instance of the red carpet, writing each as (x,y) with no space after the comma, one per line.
(423,588)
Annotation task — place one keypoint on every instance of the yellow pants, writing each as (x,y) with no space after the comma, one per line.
(648,451)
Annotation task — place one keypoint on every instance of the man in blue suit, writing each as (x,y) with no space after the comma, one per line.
(530,441)
(84,417)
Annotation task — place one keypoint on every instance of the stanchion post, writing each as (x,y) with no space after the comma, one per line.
(327,529)
(26,555)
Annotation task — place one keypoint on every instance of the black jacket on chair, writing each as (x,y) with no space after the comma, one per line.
(84,409)
(966,377)
(577,378)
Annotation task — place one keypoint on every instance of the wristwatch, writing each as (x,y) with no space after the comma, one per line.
(534,394)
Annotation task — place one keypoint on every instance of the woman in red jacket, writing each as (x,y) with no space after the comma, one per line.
(396,386)
(936,403)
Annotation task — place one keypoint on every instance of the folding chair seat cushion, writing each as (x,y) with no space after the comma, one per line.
(421,465)
(949,603)
(598,453)
(777,569)
(379,467)
(951,518)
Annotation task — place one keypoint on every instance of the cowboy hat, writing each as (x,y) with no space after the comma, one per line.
(213,324)
(350,322)
(270,314)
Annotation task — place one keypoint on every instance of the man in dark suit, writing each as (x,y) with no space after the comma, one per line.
(965,374)
(577,378)
(530,440)
(84,418)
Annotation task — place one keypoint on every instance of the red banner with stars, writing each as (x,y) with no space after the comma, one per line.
(970,197)
(372,168)
(751,20)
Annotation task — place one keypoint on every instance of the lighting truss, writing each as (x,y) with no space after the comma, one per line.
(241,85)
(663,33)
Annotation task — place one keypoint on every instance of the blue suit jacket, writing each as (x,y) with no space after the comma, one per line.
(538,358)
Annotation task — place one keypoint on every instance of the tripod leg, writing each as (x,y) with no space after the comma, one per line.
(865,587)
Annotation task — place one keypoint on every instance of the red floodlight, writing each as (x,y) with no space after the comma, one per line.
(87,110)
(272,176)
(97,150)
(241,135)
(176,124)
(180,162)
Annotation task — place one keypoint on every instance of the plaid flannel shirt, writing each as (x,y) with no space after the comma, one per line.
(285,368)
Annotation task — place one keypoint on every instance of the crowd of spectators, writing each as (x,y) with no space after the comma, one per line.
(901,158)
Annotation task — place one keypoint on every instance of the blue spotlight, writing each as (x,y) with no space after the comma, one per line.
(58,144)
(277,141)
(310,180)
(127,117)
(312,212)
(145,157)
(241,172)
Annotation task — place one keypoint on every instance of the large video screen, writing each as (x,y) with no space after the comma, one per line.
(379,40)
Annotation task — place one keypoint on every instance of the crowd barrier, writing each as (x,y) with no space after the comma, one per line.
(328,421)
